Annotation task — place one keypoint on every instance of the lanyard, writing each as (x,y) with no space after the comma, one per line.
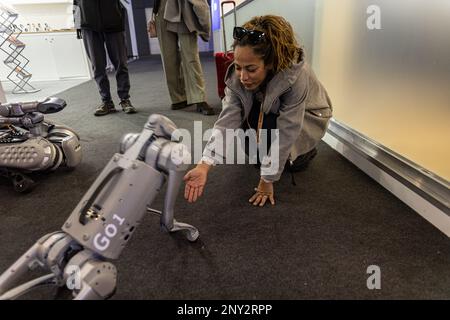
(260,123)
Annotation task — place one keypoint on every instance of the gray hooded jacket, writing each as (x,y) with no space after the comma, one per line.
(295,95)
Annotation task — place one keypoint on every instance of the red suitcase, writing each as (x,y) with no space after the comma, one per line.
(224,59)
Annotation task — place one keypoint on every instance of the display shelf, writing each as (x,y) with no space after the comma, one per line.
(13,47)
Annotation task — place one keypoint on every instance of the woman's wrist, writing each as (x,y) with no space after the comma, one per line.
(204,166)
(262,180)
(263,185)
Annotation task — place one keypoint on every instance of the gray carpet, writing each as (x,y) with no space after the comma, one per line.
(315,243)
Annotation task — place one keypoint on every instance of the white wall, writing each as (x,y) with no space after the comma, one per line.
(390,84)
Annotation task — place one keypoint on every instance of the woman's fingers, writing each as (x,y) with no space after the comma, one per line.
(263,201)
(192,190)
(253,197)
(195,196)
(258,199)
(191,194)
(186,191)
(272,199)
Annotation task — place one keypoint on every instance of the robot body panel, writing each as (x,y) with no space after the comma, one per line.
(108,222)
(32,154)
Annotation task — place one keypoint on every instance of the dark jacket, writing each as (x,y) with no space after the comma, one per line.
(156,4)
(99,15)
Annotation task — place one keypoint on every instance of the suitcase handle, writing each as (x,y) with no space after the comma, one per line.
(223,22)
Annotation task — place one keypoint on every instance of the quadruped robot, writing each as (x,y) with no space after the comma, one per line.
(104,220)
(29,143)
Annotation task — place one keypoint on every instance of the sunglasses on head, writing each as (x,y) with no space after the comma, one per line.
(253,36)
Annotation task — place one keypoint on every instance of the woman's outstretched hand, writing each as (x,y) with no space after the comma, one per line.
(195,181)
(263,192)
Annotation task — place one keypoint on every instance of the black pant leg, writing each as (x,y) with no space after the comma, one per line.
(303,160)
(117,52)
(94,43)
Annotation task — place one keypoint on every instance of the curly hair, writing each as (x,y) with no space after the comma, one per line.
(280,48)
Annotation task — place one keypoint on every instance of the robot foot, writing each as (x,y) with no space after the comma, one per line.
(190,232)
(20,181)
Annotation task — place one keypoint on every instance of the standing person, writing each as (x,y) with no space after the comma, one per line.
(178,23)
(102,23)
(269,86)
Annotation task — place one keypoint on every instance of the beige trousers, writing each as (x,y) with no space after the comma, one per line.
(181,62)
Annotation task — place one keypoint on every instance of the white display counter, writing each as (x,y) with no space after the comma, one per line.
(53,56)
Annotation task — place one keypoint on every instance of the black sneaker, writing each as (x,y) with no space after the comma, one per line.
(205,108)
(127,107)
(303,160)
(179,105)
(105,108)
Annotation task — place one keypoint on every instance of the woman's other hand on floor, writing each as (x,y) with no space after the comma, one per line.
(264,192)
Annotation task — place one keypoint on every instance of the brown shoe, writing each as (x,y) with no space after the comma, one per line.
(105,108)
(205,108)
(179,105)
(127,107)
